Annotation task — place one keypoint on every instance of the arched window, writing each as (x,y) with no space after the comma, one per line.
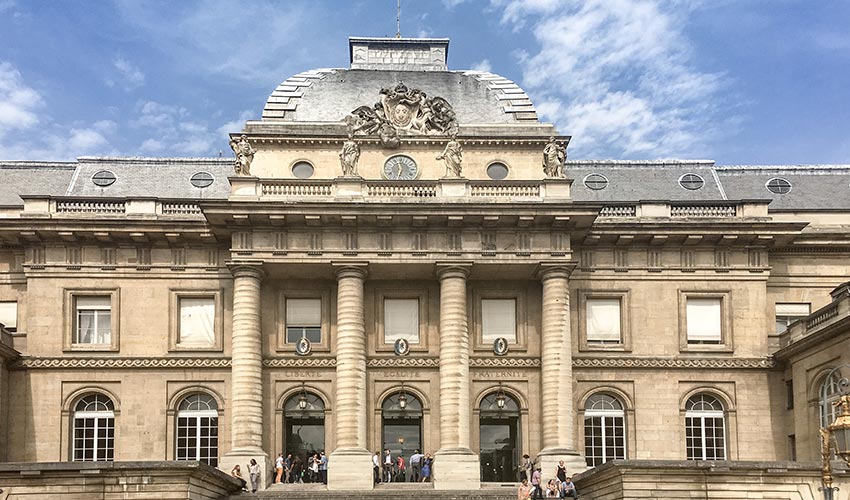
(94,429)
(604,430)
(828,393)
(705,428)
(197,429)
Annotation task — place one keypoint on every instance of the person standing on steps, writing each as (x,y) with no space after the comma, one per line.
(323,468)
(524,490)
(535,484)
(526,468)
(416,466)
(388,466)
(561,471)
(254,474)
(376,467)
(278,467)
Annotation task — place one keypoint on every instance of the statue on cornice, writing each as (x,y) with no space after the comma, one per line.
(348,156)
(244,155)
(554,156)
(453,156)
(403,110)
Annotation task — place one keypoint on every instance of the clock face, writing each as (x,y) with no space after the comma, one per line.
(400,168)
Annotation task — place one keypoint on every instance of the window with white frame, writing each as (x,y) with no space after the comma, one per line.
(789,312)
(93,319)
(197,429)
(9,315)
(603,320)
(401,320)
(498,319)
(828,393)
(94,429)
(197,322)
(704,320)
(705,428)
(604,430)
(303,320)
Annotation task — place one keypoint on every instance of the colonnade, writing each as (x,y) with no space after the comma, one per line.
(351,461)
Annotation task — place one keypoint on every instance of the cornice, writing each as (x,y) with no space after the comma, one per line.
(680,363)
(36,362)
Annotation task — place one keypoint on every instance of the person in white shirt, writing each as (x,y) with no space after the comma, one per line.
(416,466)
(388,466)
(254,473)
(376,467)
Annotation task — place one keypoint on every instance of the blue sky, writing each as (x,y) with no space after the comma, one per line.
(739,82)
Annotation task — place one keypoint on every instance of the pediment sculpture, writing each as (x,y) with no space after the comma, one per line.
(403,111)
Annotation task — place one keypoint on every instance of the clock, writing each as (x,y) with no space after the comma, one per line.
(400,168)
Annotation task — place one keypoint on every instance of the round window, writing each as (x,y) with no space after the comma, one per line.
(596,182)
(103,178)
(497,171)
(302,170)
(778,185)
(691,181)
(201,179)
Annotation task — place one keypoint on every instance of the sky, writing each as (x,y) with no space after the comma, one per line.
(735,81)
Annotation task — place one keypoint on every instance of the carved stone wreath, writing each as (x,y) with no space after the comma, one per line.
(403,110)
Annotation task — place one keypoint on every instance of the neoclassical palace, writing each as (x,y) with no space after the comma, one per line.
(401,256)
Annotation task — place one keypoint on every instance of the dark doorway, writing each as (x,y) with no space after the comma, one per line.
(499,438)
(401,425)
(304,426)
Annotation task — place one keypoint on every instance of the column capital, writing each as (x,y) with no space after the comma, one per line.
(561,269)
(246,269)
(453,269)
(350,269)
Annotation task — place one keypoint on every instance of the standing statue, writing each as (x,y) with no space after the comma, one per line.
(453,156)
(349,155)
(554,156)
(244,155)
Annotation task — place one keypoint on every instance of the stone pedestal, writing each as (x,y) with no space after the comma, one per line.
(350,470)
(453,187)
(245,188)
(456,469)
(348,186)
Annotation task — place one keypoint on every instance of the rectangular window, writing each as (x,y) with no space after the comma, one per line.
(401,320)
(197,321)
(93,320)
(303,320)
(789,394)
(789,312)
(704,319)
(9,315)
(603,320)
(792,448)
(498,319)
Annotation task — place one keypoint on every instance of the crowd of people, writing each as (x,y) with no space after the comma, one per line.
(291,469)
(393,469)
(532,487)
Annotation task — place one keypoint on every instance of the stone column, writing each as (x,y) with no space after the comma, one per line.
(350,463)
(246,373)
(456,466)
(556,375)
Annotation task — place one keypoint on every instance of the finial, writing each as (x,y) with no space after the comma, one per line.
(398,19)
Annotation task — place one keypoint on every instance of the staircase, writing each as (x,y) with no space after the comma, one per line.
(388,491)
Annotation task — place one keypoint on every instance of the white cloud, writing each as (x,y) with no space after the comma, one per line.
(131,76)
(236,125)
(172,130)
(18,102)
(483,65)
(617,75)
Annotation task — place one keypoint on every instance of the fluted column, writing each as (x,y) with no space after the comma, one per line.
(246,384)
(556,372)
(351,461)
(457,466)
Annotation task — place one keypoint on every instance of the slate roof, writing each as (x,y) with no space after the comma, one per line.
(813,187)
(38,178)
(643,180)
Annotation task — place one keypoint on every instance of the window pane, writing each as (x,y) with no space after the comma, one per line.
(703,319)
(401,320)
(197,321)
(498,319)
(304,312)
(9,314)
(93,320)
(603,319)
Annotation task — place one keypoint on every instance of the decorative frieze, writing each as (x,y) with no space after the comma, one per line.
(37,362)
(406,362)
(504,362)
(655,362)
(301,362)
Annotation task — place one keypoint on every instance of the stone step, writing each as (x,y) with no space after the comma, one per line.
(390,491)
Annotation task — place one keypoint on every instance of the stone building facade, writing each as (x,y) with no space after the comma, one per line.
(405,260)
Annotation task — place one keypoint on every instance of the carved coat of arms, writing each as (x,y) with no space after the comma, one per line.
(403,110)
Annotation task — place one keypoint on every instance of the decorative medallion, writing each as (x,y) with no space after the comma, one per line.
(500,346)
(303,347)
(401,347)
(403,110)
(400,168)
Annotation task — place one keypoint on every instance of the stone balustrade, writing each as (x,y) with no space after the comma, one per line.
(819,320)
(675,210)
(44,207)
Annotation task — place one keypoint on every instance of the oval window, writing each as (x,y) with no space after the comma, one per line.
(201,179)
(596,182)
(691,181)
(302,170)
(497,171)
(103,178)
(778,185)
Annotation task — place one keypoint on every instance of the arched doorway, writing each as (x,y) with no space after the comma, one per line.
(304,425)
(499,449)
(401,423)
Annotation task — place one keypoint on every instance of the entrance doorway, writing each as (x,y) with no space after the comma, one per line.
(499,448)
(304,430)
(401,424)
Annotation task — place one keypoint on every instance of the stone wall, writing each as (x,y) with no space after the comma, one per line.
(688,480)
(114,480)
